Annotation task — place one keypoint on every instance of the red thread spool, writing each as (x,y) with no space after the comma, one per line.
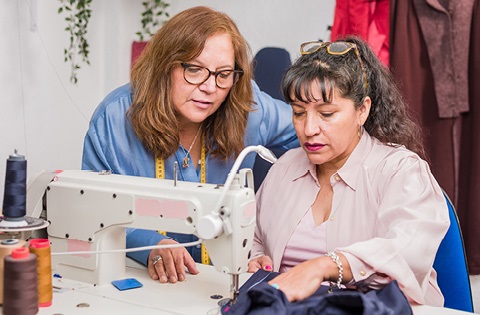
(41,248)
(20,295)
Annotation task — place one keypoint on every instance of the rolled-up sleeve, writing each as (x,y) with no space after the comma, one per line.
(411,221)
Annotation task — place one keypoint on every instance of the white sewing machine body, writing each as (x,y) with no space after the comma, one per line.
(89,211)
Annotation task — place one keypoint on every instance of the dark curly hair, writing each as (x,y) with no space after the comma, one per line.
(389,120)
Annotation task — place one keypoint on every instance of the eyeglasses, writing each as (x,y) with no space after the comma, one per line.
(224,79)
(335,48)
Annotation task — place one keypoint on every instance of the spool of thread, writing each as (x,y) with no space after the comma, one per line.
(20,294)
(6,248)
(15,192)
(41,248)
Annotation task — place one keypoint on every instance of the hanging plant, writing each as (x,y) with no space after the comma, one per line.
(153,17)
(78,13)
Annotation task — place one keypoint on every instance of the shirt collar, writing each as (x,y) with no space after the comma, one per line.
(303,167)
(350,171)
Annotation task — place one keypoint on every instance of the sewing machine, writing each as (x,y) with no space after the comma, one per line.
(89,211)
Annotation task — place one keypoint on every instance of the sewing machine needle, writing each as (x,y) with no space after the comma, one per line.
(234,286)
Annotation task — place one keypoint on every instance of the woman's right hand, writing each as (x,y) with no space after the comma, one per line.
(170,267)
(262,262)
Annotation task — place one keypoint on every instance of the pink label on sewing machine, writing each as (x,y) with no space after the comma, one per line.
(79,246)
(169,209)
(249,211)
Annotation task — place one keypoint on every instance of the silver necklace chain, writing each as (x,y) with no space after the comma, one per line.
(186,159)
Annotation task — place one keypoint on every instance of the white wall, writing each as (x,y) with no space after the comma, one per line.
(45,117)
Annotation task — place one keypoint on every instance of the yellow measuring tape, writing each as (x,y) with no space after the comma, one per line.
(160,173)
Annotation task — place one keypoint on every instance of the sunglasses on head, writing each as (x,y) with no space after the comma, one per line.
(335,48)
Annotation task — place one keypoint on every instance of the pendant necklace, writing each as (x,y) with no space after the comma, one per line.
(186,159)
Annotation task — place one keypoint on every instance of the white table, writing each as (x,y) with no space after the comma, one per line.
(190,297)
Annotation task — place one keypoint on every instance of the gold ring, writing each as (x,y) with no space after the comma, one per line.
(156,259)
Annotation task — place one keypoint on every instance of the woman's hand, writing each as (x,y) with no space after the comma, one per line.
(262,262)
(303,280)
(170,267)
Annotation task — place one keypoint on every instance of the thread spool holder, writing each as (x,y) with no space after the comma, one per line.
(14,221)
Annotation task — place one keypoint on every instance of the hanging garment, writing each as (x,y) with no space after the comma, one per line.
(469,176)
(368,19)
(429,58)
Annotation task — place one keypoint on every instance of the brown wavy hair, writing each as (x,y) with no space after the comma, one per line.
(181,39)
(389,120)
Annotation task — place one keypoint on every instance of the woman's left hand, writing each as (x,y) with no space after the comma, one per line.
(301,281)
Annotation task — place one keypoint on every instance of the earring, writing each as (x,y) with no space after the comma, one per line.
(360,131)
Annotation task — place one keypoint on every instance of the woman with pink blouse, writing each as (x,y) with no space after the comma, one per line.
(356,205)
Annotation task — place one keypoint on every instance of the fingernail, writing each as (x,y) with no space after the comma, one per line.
(181,278)
(163,279)
(173,279)
(268,267)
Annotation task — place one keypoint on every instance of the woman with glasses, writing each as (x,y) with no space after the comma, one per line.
(357,205)
(191,102)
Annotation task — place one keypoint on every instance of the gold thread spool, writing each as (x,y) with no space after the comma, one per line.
(6,248)
(41,248)
(20,293)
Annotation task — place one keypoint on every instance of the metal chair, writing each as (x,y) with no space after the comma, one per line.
(451,266)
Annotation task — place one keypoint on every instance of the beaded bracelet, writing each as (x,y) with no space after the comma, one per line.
(336,259)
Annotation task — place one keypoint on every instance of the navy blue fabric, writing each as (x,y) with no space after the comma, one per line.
(256,296)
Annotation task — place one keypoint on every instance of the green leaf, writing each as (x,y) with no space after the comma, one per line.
(77,22)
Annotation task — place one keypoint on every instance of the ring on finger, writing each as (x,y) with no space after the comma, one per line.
(156,259)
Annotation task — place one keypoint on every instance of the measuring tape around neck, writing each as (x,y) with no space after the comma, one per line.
(160,173)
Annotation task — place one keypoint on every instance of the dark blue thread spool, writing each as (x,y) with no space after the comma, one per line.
(15,193)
